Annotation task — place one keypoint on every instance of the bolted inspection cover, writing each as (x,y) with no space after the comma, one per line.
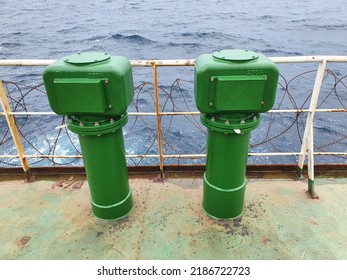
(235,81)
(86,58)
(235,55)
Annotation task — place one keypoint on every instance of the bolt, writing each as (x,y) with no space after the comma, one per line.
(70,120)
(254,118)
(237,131)
(96,124)
(212,79)
(242,122)
(110,106)
(265,77)
(106,81)
(81,124)
(111,120)
(262,103)
(213,119)
(227,122)
(211,104)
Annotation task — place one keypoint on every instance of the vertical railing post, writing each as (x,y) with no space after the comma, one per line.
(307,143)
(310,162)
(11,122)
(158,117)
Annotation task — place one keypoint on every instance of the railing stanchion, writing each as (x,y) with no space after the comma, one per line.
(307,143)
(11,122)
(310,162)
(158,117)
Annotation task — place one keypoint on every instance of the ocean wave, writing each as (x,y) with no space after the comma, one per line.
(266,17)
(293,53)
(204,35)
(135,38)
(172,44)
(298,20)
(98,38)
(269,51)
(8,48)
(10,45)
(280,52)
(68,30)
(318,27)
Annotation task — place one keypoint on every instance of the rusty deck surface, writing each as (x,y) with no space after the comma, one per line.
(50,218)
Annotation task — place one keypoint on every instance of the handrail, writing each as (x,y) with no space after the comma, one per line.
(307,143)
(182,62)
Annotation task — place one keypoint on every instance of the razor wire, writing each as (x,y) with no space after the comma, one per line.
(175,98)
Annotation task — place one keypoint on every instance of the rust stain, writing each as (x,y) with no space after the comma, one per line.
(64,184)
(234,227)
(77,185)
(67,183)
(193,242)
(309,195)
(57,184)
(160,179)
(266,241)
(23,241)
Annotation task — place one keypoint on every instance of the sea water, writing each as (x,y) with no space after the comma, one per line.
(154,29)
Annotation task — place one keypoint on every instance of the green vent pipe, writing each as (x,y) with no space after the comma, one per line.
(94,90)
(232,88)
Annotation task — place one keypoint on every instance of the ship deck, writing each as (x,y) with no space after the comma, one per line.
(51,218)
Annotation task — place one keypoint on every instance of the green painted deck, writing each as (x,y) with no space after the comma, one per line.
(44,220)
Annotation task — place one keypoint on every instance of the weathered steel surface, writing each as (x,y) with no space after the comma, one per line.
(44,220)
